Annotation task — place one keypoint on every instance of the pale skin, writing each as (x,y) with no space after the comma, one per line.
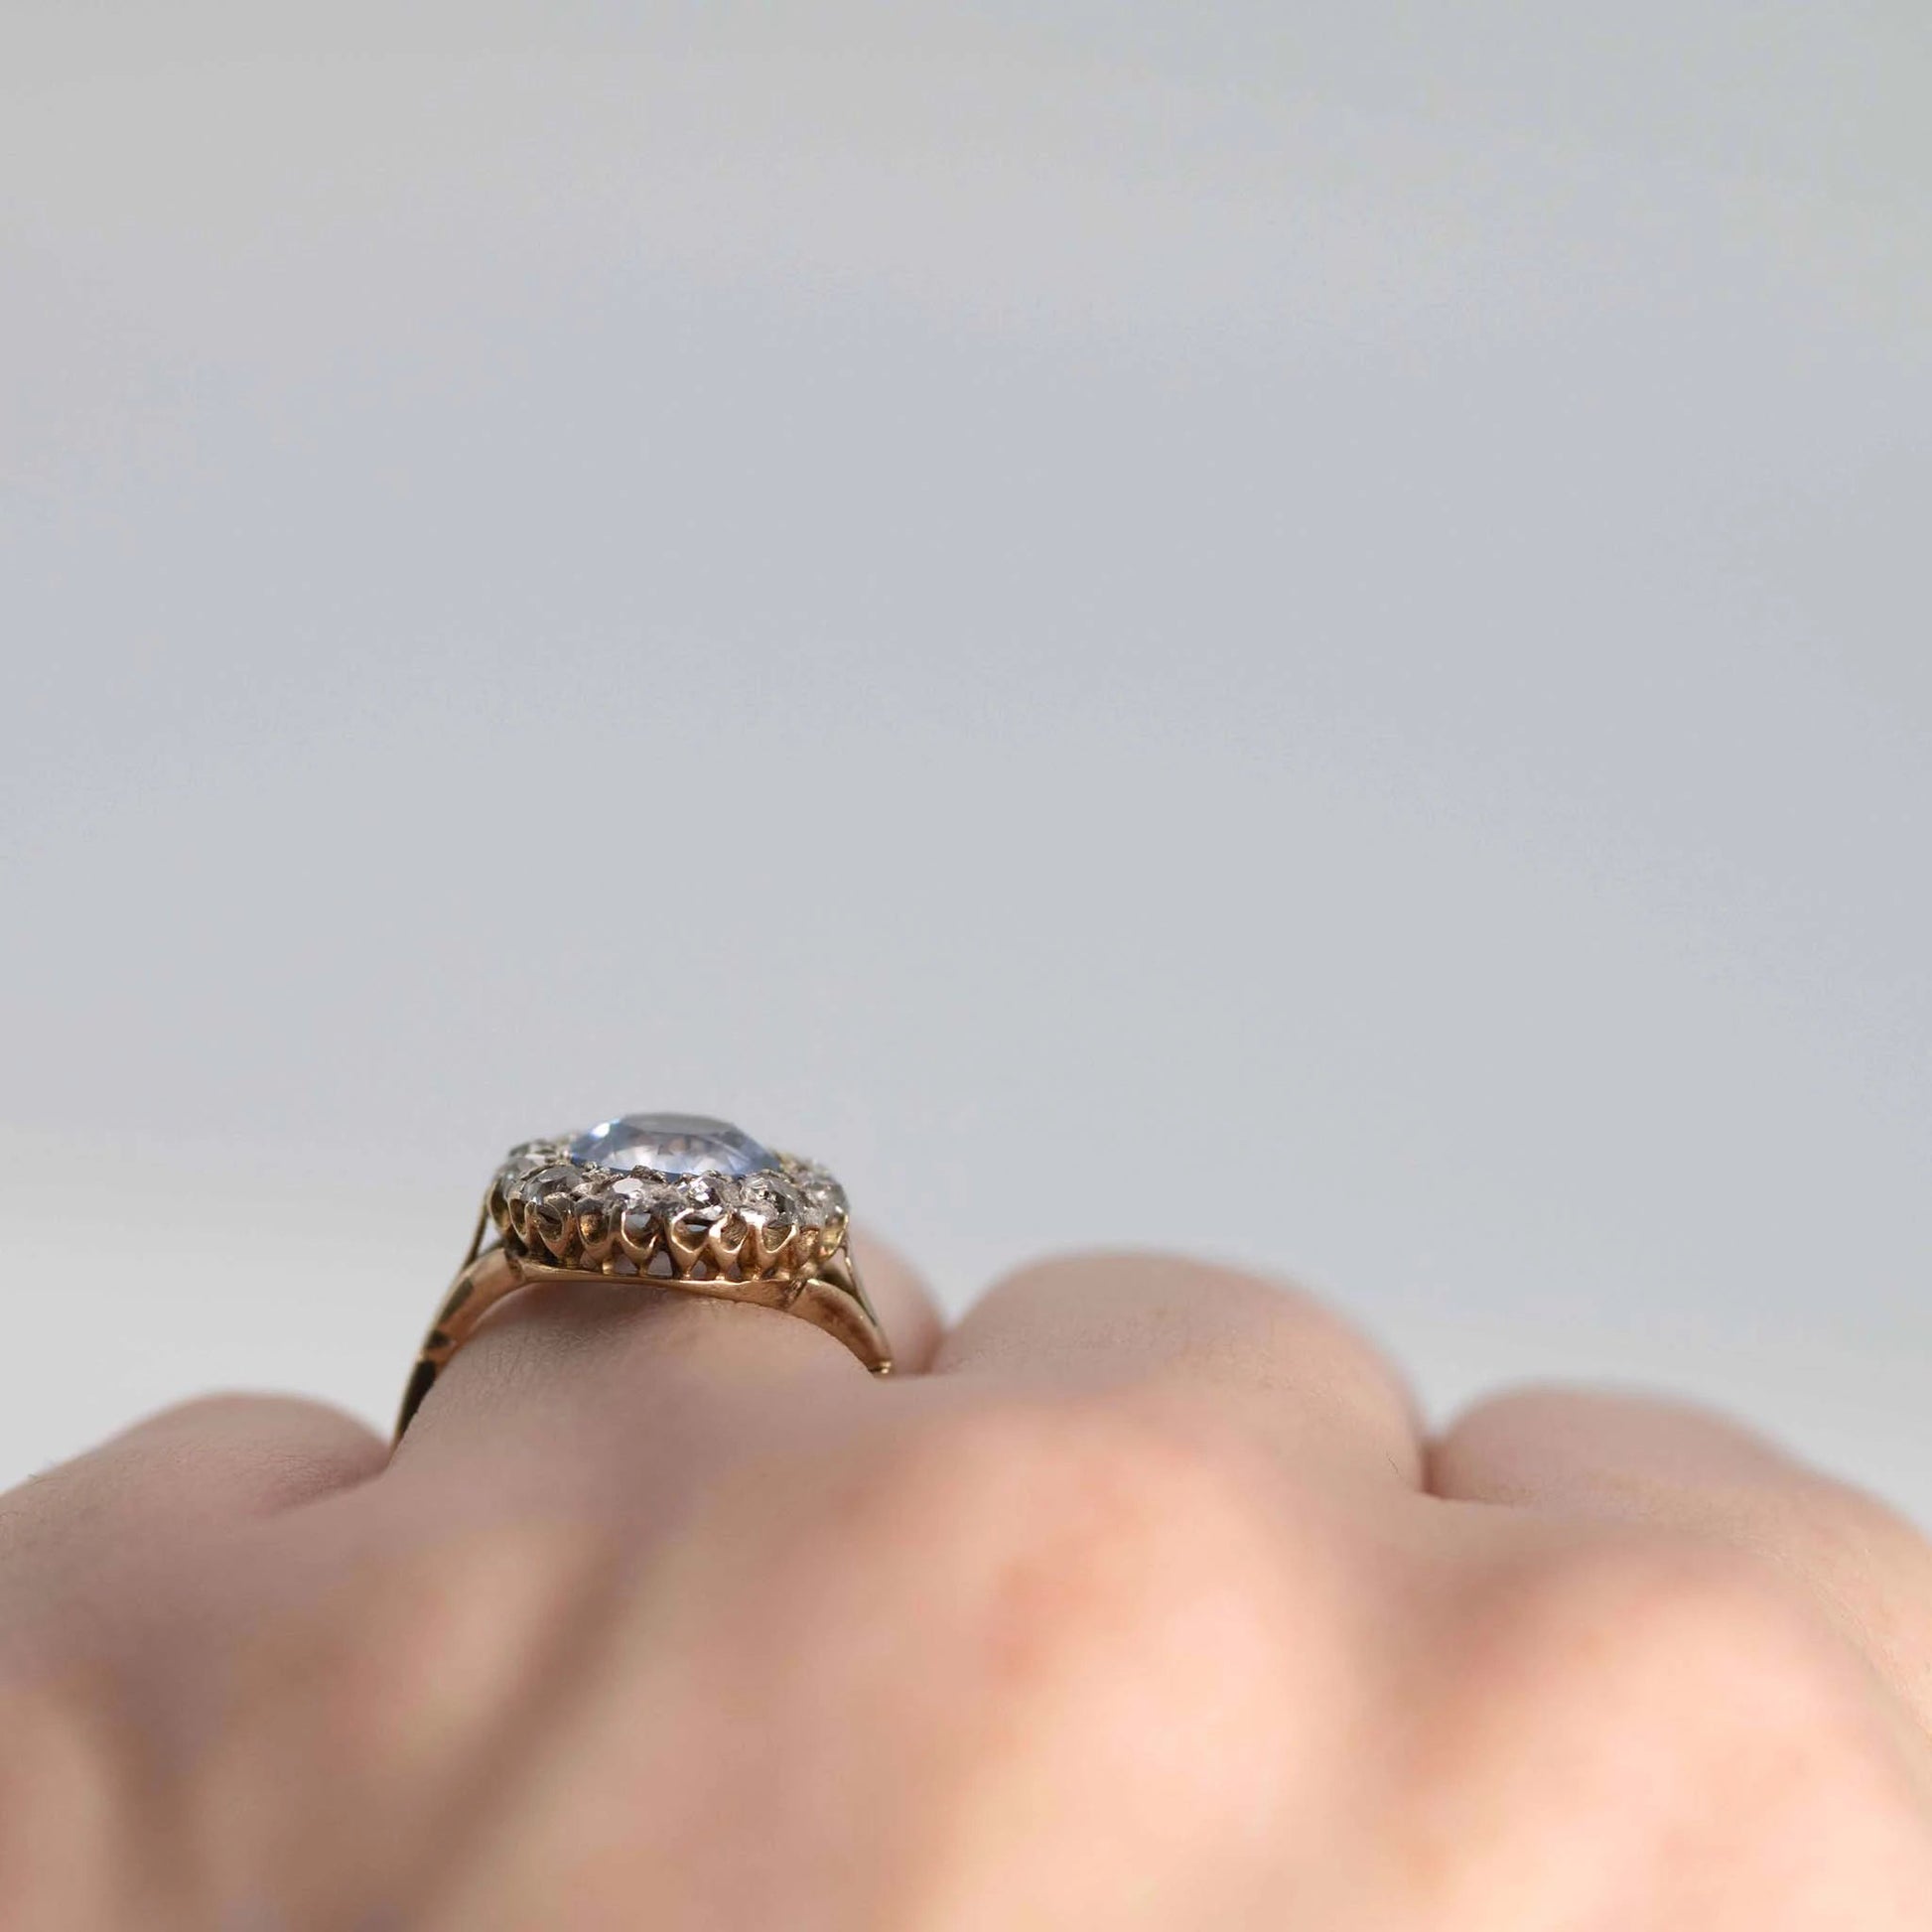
(1138,1600)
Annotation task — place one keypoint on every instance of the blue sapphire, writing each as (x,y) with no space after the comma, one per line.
(676,1144)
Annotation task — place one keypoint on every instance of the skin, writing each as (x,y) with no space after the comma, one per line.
(1140,1601)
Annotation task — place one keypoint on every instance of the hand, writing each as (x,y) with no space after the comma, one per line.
(1145,1605)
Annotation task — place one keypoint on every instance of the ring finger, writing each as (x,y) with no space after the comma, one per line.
(570,1378)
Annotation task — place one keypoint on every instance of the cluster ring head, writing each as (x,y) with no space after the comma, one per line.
(778,1223)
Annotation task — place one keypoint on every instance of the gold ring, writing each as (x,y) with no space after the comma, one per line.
(668,1201)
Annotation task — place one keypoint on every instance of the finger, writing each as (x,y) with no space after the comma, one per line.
(94,1526)
(574,1366)
(215,1460)
(1646,1459)
(1276,1361)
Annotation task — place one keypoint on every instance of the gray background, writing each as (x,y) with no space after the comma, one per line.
(1297,632)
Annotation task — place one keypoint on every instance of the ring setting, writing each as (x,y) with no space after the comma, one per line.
(678,1201)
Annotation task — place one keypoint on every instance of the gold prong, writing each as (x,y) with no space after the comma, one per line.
(639,1234)
(686,1253)
(771,1240)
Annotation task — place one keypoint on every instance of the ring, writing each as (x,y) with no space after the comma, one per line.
(668,1201)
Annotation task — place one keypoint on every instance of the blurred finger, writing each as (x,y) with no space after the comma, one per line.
(93,1529)
(1646,1459)
(215,1459)
(1274,1360)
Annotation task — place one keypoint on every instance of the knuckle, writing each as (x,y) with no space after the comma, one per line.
(66,1778)
(1647,1701)
(215,1458)
(1840,1530)
(1868,1569)
(1067,1595)
(1665,1638)
(225,1412)
(1068,1483)
(261,1450)
(1651,1692)
(375,1689)
(235,1414)
(1034,1546)
(413,1644)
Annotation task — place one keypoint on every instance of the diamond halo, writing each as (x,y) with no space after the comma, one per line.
(671,1195)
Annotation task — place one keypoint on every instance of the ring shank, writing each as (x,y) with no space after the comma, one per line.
(831,1299)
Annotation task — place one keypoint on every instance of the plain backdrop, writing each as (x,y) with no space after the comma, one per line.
(1297,632)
